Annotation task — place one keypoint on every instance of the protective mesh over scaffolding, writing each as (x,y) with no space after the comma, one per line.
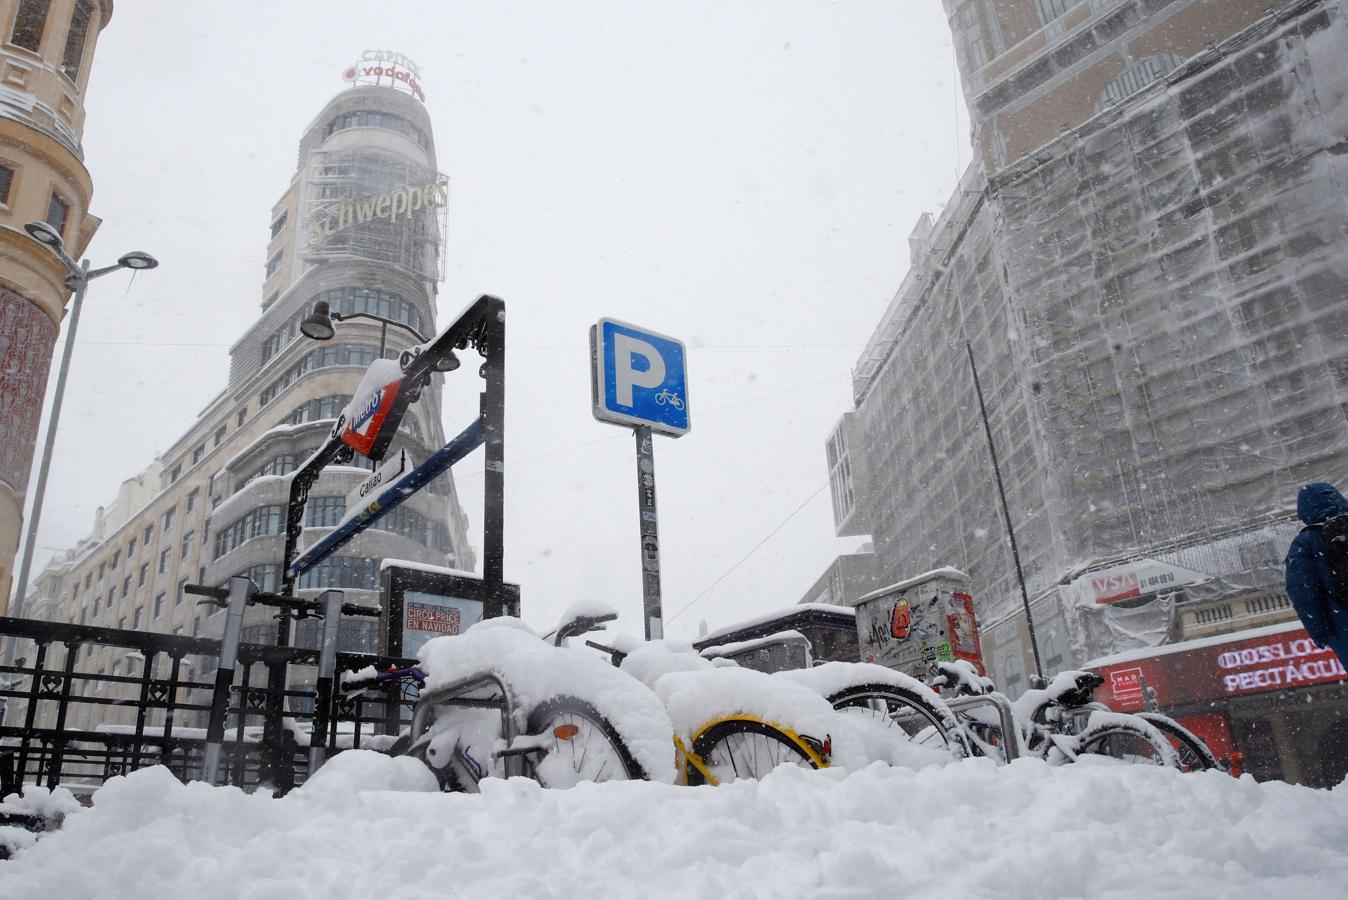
(377,206)
(1158,304)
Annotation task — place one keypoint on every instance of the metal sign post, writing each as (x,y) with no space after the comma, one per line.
(650,535)
(639,378)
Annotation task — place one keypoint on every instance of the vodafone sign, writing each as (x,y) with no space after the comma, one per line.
(1283,660)
(377,65)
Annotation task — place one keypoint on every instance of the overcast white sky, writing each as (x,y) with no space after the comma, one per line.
(740,175)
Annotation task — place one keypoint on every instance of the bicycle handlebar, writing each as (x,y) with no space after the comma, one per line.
(394,674)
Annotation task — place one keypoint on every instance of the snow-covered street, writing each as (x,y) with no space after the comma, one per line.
(368,827)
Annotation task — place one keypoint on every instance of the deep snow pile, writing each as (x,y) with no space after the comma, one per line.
(367,827)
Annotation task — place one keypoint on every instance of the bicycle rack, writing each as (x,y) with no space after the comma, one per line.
(452,695)
(1012,740)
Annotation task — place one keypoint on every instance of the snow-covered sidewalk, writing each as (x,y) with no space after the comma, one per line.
(368,828)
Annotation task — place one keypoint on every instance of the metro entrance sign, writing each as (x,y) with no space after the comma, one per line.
(640,379)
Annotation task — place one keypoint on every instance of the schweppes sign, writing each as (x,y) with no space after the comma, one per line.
(398,203)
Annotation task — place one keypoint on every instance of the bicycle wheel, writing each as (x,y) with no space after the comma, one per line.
(1194,755)
(732,749)
(448,776)
(897,707)
(579,744)
(1130,742)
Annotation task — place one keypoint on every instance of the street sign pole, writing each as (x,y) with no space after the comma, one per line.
(650,534)
(639,379)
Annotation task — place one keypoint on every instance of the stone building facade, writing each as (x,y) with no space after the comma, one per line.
(46,54)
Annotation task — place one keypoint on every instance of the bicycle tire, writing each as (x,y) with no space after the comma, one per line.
(716,747)
(1194,755)
(942,720)
(593,730)
(1113,738)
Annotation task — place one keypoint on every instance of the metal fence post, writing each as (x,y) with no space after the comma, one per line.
(327,663)
(241,590)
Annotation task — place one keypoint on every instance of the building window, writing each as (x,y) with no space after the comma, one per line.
(324,512)
(192,500)
(1052,9)
(278,223)
(83,612)
(135,617)
(182,590)
(111,593)
(144,573)
(148,533)
(95,611)
(58,211)
(130,549)
(187,544)
(116,559)
(6,179)
(164,559)
(29,23)
(88,580)
(168,518)
(978,54)
(175,473)
(1136,77)
(262,521)
(158,605)
(968,15)
(241,418)
(79,31)
(196,625)
(366,118)
(126,587)
(102,570)
(274,263)
(198,453)
(219,436)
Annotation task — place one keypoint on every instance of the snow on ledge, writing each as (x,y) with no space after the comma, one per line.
(733,647)
(425,567)
(943,572)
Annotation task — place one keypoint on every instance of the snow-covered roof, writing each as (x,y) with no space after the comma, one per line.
(798,609)
(943,572)
(425,567)
(777,637)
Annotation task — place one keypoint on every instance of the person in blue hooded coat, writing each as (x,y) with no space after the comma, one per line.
(1323,609)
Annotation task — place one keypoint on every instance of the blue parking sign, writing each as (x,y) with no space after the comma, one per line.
(639,377)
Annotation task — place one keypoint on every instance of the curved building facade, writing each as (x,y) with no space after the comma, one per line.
(45,57)
(360,227)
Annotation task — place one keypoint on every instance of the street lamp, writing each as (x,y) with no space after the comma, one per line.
(77,281)
(319,326)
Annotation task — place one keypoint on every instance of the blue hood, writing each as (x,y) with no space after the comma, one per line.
(1320,501)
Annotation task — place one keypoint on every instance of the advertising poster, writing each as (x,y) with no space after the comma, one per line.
(427,616)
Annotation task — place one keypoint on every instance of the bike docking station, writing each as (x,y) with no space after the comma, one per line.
(639,379)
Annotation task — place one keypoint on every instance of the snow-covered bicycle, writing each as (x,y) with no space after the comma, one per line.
(499,701)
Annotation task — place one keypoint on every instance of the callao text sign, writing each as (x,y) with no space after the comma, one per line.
(368,490)
(639,377)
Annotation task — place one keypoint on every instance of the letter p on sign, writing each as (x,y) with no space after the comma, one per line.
(639,377)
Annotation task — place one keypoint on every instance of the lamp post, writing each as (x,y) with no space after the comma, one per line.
(78,281)
(319,326)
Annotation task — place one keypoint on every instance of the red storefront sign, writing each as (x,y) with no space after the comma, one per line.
(1283,660)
